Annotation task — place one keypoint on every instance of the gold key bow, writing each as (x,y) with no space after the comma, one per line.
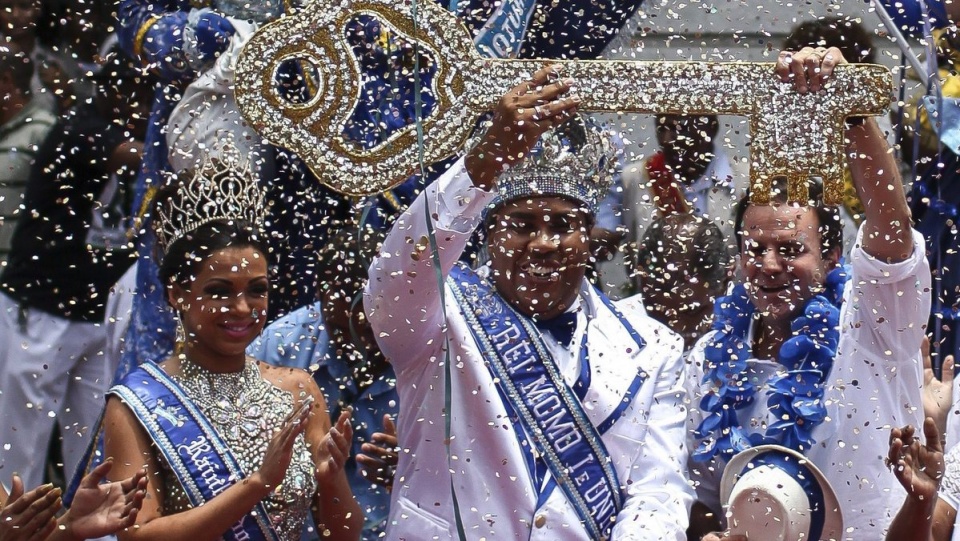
(793,135)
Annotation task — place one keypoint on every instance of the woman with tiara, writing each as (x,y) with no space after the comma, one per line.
(234,449)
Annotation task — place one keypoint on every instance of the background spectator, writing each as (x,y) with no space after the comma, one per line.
(684,265)
(69,247)
(689,172)
(24,122)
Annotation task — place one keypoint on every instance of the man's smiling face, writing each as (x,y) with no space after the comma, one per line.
(539,250)
(782,259)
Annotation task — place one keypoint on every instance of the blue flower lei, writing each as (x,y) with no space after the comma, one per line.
(795,397)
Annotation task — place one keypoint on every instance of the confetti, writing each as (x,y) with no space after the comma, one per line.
(466,85)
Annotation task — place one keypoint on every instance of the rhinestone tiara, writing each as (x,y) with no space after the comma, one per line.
(222,189)
(577,160)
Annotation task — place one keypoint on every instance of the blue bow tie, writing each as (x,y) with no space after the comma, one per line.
(560,328)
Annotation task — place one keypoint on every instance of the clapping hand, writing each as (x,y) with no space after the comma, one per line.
(101,509)
(937,393)
(279,451)
(378,461)
(917,467)
(335,448)
(29,516)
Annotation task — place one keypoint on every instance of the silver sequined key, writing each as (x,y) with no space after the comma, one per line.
(793,135)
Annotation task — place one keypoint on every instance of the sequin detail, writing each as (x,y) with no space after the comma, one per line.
(466,85)
(244,408)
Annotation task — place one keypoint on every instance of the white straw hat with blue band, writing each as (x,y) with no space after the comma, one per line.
(774,493)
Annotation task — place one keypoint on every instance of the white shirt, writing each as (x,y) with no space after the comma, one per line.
(713,195)
(874,386)
(950,486)
(485,461)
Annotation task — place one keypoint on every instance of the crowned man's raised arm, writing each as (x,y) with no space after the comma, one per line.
(415,283)
(531,406)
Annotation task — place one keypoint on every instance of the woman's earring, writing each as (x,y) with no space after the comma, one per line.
(181,336)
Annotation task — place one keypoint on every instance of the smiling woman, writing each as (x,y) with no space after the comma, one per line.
(225,297)
(209,416)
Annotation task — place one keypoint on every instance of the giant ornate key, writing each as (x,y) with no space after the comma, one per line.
(793,135)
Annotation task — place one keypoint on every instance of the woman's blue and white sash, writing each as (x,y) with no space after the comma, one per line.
(198,456)
(548,409)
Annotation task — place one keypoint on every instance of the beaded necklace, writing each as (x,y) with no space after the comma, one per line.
(795,396)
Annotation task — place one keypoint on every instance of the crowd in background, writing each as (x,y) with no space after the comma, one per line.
(100,111)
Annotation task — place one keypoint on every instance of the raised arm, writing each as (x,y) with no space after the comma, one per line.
(887,233)
(522,115)
(919,468)
(887,230)
(402,298)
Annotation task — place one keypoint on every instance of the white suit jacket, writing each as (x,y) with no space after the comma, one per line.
(485,460)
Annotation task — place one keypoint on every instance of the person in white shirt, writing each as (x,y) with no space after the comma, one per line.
(532,407)
(788,362)
(689,172)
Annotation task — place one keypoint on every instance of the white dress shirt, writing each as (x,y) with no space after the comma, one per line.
(874,385)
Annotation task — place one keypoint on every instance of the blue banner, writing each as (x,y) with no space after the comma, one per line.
(196,454)
(549,411)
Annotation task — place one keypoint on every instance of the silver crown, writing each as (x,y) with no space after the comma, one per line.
(224,189)
(577,160)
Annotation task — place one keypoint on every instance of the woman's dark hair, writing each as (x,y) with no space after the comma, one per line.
(829,223)
(181,262)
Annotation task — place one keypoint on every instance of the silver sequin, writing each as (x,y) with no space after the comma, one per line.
(244,409)
(793,135)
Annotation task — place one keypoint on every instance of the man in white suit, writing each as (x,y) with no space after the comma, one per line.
(532,407)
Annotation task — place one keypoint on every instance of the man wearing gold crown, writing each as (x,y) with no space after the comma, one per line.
(532,407)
